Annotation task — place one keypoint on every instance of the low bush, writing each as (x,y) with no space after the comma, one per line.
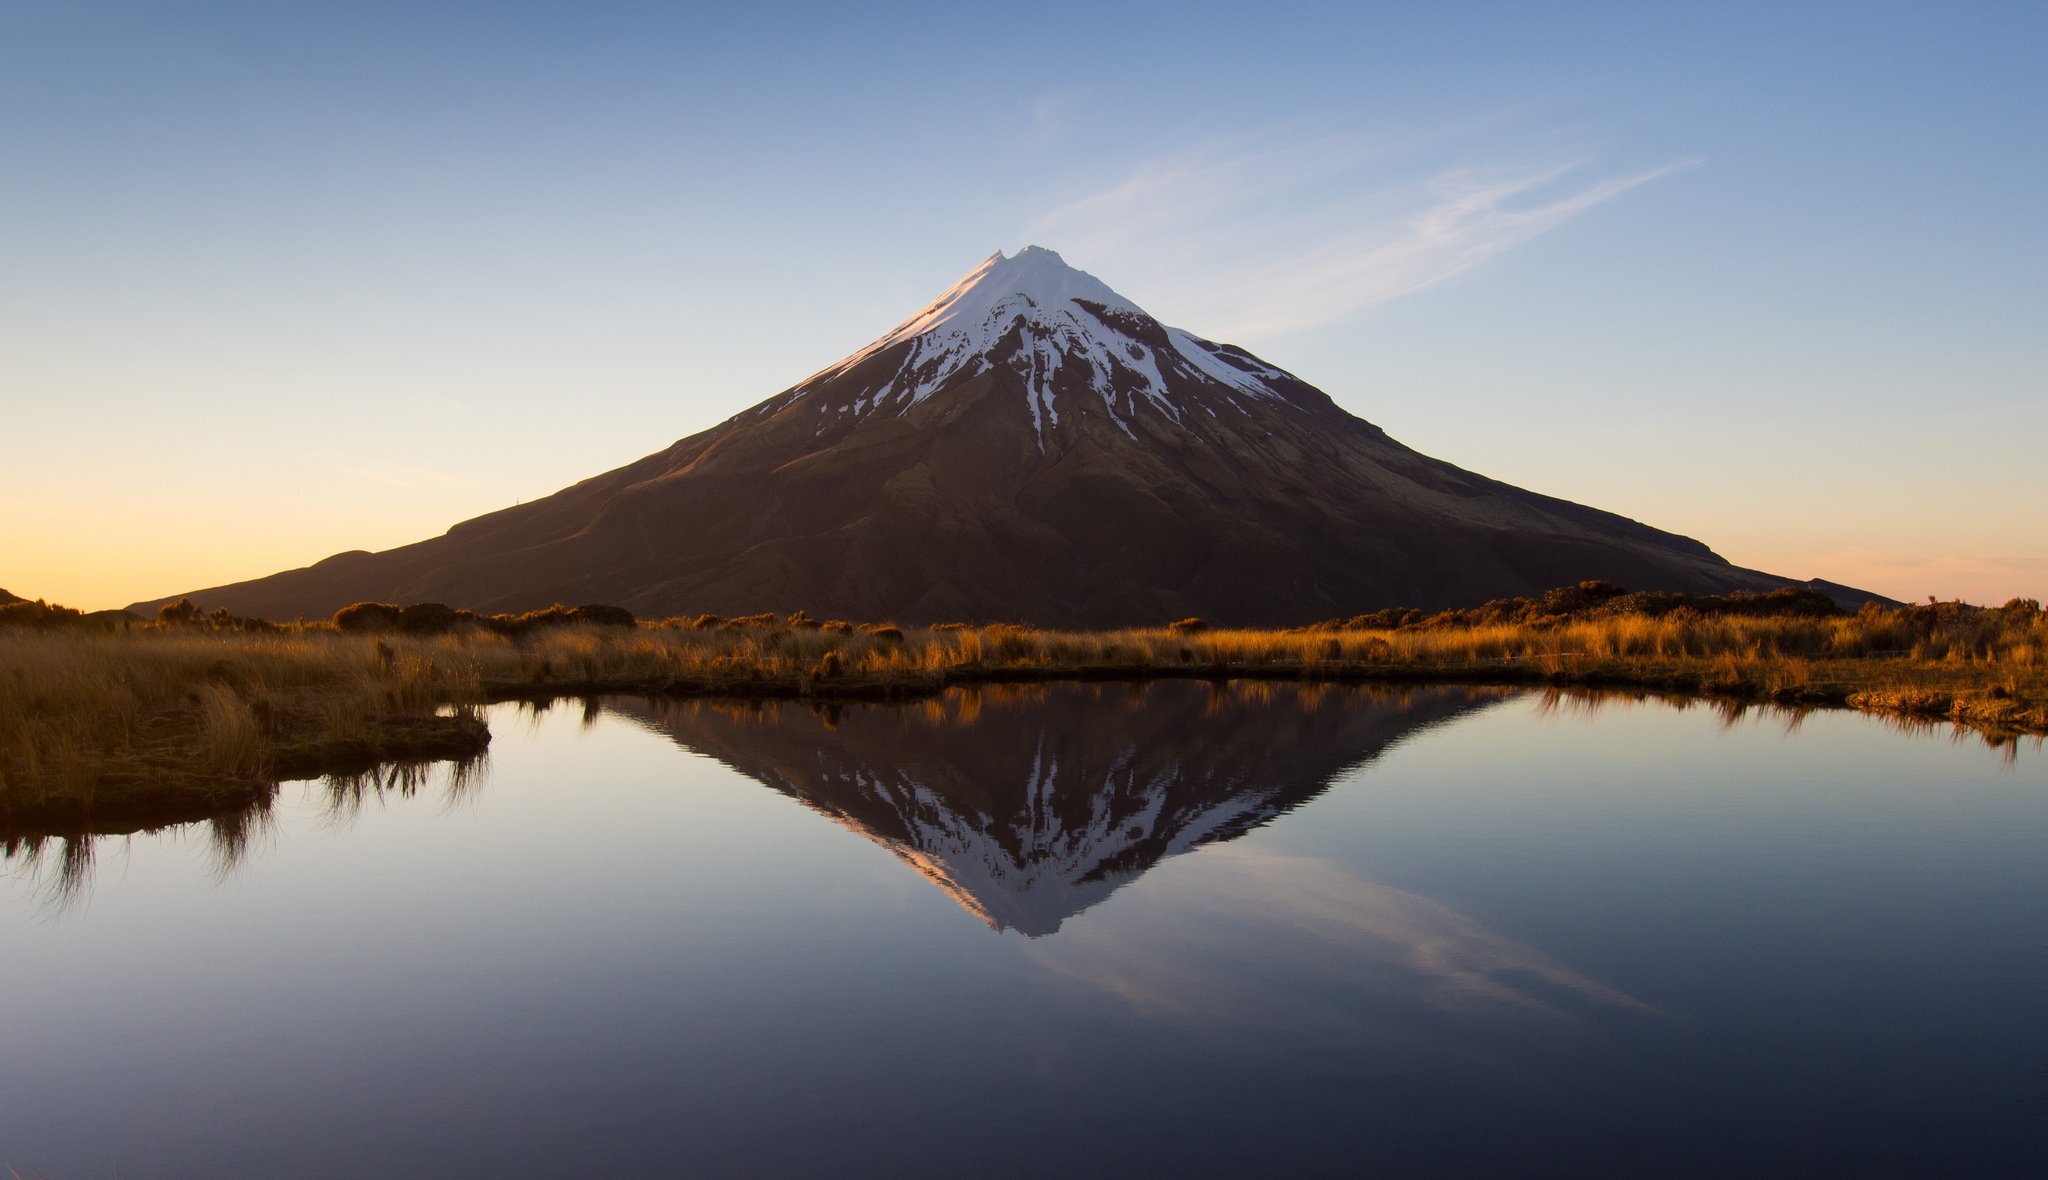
(432,618)
(39,615)
(177,613)
(438,618)
(1597,599)
(600,615)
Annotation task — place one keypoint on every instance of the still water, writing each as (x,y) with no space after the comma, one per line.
(1070,930)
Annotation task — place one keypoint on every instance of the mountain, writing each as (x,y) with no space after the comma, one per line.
(1030,447)
(1029,805)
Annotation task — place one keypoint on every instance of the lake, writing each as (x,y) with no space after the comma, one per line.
(1075,930)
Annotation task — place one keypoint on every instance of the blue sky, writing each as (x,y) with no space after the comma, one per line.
(280,280)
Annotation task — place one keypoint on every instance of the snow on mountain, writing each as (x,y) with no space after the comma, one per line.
(1032,807)
(1041,867)
(1071,331)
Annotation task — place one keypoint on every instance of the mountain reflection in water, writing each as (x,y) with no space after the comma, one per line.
(1622,938)
(1028,805)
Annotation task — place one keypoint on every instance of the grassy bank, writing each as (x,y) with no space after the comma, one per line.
(196,713)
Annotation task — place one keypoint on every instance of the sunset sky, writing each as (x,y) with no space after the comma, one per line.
(278,281)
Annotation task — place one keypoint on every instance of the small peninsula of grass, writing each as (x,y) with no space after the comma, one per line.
(104,713)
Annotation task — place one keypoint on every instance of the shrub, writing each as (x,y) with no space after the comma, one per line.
(1796,601)
(708,622)
(1389,619)
(1595,599)
(531,621)
(184,613)
(431,618)
(603,616)
(1652,604)
(1571,600)
(39,615)
(1188,626)
(177,614)
(366,616)
(515,626)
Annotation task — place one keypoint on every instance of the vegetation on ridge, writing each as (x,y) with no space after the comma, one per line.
(198,707)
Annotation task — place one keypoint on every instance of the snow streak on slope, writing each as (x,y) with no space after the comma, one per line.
(1030,872)
(1071,332)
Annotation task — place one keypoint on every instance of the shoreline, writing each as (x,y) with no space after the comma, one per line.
(175,718)
(464,737)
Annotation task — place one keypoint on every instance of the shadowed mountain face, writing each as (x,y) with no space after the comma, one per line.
(1028,806)
(1031,447)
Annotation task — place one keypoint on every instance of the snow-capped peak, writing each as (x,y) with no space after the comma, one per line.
(1073,334)
(1080,834)
(1035,275)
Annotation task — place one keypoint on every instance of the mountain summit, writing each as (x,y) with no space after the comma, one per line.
(1066,335)
(1034,447)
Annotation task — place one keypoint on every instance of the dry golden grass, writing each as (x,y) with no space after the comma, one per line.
(89,717)
(93,719)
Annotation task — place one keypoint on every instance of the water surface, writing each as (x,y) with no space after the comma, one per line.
(1066,930)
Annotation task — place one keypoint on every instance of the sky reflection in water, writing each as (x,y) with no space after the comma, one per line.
(1098,930)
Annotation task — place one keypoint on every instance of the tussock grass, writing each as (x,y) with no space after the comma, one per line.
(97,719)
(163,713)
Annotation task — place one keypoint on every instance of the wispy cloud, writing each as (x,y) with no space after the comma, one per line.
(1303,917)
(1300,234)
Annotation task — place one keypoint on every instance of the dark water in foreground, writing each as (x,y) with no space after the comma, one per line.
(1068,931)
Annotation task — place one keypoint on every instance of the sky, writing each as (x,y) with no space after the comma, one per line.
(283,280)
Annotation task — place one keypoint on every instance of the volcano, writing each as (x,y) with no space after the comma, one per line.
(1030,447)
